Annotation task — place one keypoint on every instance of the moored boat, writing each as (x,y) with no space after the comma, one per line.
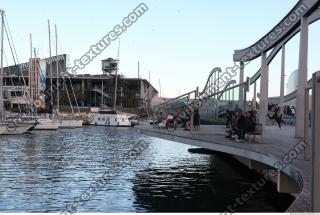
(110,118)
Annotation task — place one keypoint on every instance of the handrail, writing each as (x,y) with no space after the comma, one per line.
(313,18)
(214,70)
(220,92)
(166,102)
(279,32)
(227,85)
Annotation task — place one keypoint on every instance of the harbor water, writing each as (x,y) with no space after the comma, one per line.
(45,171)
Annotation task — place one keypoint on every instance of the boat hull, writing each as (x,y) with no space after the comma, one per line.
(3,128)
(70,124)
(17,128)
(47,125)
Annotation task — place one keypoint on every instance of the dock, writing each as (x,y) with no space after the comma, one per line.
(272,146)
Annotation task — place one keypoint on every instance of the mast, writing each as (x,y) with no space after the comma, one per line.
(31,76)
(160,87)
(1,64)
(116,84)
(138,69)
(57,65)
(50,61)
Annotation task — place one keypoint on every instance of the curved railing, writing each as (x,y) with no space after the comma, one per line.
(285,27)
(209,86)
(313,18)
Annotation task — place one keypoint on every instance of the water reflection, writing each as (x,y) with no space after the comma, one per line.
(41,172)
(203,187)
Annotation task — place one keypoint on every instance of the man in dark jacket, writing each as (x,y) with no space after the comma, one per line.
(241,126)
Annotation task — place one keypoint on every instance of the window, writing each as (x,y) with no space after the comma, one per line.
(99,118)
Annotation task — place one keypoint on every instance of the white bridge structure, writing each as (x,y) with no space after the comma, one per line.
(220,90)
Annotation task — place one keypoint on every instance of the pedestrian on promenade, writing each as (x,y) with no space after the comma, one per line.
(196,119)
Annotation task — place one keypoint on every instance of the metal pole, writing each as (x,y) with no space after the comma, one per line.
(241,88)
(31,76)
(138,69)
(306,125)
(115,91)
(102,93)
(57,65)
(283,67)
(1,64)
(50,61)
(302,77)
(160,87)
(315,189)
(254,101)
(263,89)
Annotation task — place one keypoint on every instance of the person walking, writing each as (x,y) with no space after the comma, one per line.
(196,119)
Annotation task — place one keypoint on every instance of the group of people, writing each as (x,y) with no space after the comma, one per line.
(240,123)
(290,111)
(182,120)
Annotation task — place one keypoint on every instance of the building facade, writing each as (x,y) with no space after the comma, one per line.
(83,90)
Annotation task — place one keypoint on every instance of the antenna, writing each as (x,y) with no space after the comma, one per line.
(138,69)
(118,51)
(160,87)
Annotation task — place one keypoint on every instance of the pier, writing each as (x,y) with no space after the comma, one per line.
(296,144)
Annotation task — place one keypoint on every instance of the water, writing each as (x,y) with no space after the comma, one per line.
(43,171)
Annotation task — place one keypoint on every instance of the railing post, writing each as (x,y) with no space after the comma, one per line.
(315,189)
(254,100)
(241,88)
(306,125)
(263,109)
(283,67)
(302,80)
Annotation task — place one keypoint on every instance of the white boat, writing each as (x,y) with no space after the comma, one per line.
(17,128)
(47,124)
(68,123)
(110,118)
(2,129)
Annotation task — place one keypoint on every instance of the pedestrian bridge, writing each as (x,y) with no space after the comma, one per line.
(295,148)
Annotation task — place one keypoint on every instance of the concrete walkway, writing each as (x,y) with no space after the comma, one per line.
(274,142)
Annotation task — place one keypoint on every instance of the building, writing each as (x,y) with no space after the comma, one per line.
(85,91)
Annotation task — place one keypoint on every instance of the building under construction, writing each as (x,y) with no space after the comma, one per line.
(47,77)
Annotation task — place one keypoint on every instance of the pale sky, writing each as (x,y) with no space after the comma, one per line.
(178,41)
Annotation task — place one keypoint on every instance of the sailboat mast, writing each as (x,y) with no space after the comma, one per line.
(116,84)
(50,61)
(57,65)
(31,74)
(1,64)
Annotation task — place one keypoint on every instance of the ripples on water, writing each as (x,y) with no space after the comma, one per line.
(42,171)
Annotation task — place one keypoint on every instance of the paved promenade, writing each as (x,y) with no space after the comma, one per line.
(275,143)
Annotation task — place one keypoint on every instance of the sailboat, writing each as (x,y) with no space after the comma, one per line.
(12,127)
(63,123)
(56,118)
(43,123)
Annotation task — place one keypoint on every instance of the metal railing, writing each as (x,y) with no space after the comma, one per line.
(315,189)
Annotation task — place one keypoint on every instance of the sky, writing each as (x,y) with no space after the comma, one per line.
(179,42)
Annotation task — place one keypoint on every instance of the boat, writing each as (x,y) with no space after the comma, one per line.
(63,123)
(47,124)
(70,123)
(2,129)
(17,128)
(12,127)
(110,118)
